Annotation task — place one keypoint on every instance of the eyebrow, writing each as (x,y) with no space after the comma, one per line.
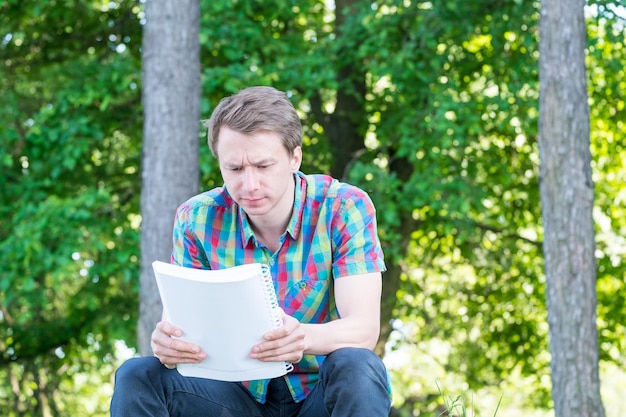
(266,161)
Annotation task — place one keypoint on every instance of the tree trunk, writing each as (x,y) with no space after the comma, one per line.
(170,170)
(567,202)
(345,127)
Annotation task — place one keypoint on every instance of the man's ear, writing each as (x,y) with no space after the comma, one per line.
(296,159)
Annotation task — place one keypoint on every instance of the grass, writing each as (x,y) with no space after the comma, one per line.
(455,407)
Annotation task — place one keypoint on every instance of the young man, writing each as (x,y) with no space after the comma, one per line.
(319,238)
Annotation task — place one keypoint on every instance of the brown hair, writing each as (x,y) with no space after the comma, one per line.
(255,109)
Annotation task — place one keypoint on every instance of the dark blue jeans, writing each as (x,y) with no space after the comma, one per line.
(353,382)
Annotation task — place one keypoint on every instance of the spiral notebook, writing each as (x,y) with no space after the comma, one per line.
(225,312)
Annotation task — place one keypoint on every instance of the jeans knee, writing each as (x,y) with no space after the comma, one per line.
(136,370)
(355,382)
(354,355)
(351,361)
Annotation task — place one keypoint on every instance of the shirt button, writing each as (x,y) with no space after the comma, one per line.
(271,261)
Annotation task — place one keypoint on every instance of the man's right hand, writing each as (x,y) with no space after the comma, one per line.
(170,350)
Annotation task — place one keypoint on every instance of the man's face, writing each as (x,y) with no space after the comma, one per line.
(258,171)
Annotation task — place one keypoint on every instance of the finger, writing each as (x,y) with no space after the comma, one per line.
(169,329)
(278,355)
(290,348)
(176,348)
(171,350)
(172,361)
(290,326)
(174,358)
(166,336)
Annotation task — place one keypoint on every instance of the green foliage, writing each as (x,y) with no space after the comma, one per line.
(429,106)
(70,150)
(607,93)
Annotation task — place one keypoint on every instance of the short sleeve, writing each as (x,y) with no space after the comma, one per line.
(187,248)
(356,246)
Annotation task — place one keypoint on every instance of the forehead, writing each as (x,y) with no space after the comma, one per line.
(235,147)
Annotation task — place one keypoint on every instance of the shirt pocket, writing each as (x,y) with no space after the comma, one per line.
(308,300)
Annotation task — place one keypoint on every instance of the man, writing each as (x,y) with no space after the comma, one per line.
(319,238)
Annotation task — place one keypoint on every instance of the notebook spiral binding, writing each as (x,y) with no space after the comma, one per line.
(270,293)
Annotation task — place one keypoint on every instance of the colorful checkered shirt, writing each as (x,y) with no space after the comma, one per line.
(332,234)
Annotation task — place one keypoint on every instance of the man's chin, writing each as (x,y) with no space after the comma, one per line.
(254,209)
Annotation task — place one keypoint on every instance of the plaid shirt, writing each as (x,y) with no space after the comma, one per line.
(331,234)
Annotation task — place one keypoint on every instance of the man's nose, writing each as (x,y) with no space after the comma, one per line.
(250,179)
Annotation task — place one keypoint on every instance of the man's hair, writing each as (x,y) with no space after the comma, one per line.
(256,109)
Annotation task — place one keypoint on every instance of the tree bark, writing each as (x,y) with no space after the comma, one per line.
(345,126)
(566,189)
(170,169)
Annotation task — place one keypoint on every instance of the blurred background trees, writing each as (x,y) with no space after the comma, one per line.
(432,107)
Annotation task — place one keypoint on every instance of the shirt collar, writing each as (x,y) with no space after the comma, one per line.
(295,224)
